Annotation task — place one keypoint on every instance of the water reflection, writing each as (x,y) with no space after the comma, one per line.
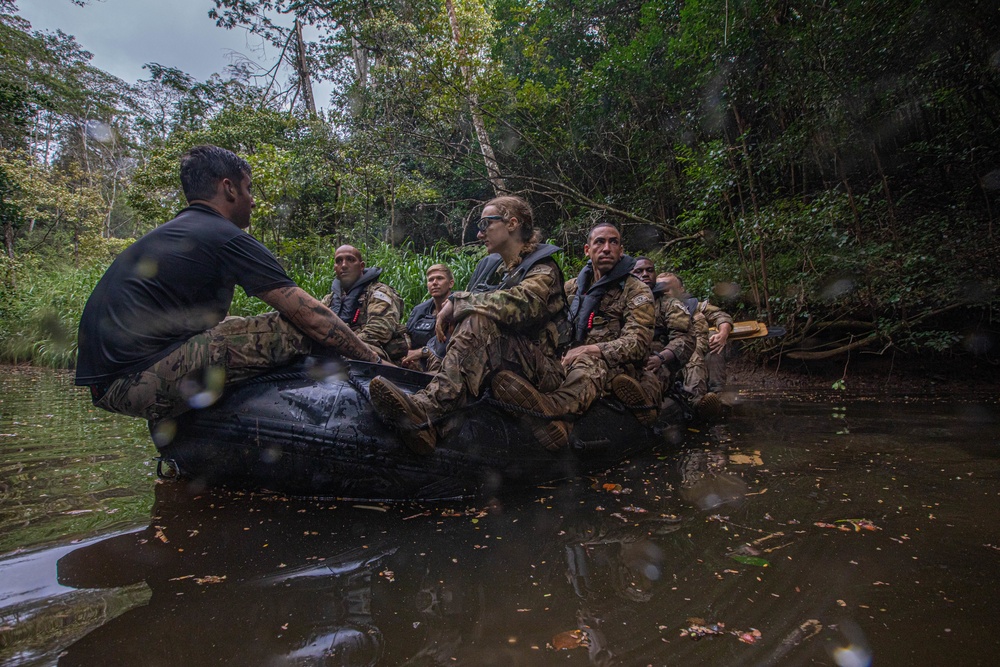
(755,525)
(241,579)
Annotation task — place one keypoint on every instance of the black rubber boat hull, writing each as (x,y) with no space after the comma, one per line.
(310,430)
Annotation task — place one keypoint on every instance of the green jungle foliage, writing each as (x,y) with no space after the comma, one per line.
(829,167)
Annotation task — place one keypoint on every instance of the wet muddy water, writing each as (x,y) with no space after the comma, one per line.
(824,529)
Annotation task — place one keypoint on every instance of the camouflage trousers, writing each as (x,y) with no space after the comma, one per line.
(476,351)
(587,378)
(715,364)
(657,384)
(703,374)
(194,375)
(695,376)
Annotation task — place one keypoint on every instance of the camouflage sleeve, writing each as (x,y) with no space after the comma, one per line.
(524,304)
(569,287)
(680,332)
(700,326)
(382,313)
(632,344)
(715,315)
(327,300)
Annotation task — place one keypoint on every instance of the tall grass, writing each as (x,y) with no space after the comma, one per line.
(41,301)
(40,310)
(403,269)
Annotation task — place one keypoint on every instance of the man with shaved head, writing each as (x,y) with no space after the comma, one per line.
(372,309)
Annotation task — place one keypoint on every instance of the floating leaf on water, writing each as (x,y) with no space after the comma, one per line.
(821,524)
(750,636)
(374,508)
(570,639)
(750,560)
(859,524)
(699,629)
(753,458)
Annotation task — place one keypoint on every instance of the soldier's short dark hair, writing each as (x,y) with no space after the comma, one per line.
(603,223)
(202,167)
(511,206)
(643,257)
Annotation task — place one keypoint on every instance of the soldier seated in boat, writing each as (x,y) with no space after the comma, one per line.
(705,373)
(507,319)
(153,342)
(426,351)
(371,309)
(612,315)
(674,337)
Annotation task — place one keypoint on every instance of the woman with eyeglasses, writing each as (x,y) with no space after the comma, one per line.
(506,323)
(426,351)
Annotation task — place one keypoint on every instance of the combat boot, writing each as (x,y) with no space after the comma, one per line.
(709,407)
(628,390)
(399,410)
(512,389)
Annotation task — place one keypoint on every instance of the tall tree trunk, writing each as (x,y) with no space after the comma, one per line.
(489,158)
(302,68)
(8,238)
(360,57)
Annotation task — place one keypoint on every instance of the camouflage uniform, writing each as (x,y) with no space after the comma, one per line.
(505,329)
(622,329)
(674,331)
(715,362)
(696,374)
(377,320)
(194,374)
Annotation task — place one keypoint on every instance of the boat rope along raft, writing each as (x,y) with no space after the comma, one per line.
(310,429)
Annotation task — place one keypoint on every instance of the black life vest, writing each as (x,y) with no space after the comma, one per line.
(660,332)
(690,304)
(347,307)
(583,308)
(488,276)
(420,326)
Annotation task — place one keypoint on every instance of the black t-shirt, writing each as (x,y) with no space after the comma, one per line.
(173,283)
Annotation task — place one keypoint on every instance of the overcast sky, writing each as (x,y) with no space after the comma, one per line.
(124,35)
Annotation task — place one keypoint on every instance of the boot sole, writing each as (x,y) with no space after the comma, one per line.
(512,389)
(629,392)
(394,407)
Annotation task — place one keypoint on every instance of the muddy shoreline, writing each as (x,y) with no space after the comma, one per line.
(871,375)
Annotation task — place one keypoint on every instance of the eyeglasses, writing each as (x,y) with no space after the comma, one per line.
(486,221)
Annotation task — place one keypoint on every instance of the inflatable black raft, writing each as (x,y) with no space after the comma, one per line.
(310,430)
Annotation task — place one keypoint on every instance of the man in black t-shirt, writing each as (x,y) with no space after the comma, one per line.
(154,338)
